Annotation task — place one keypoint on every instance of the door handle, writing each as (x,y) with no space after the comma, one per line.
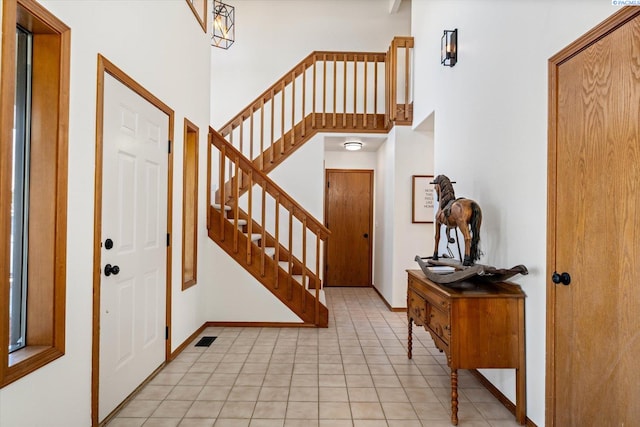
(109,270)
(366,235)
(564,278)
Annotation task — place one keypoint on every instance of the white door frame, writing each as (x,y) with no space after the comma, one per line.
(105,66)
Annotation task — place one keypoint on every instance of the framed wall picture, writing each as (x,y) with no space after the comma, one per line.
(423,199)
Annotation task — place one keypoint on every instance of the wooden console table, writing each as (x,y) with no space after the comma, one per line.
(476,324)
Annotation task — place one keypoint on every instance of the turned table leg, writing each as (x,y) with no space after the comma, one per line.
(409,340)
(454,397)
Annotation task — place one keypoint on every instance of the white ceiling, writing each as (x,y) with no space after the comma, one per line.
(369,143)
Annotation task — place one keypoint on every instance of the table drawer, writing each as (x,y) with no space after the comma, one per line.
(417,308)
(438,321)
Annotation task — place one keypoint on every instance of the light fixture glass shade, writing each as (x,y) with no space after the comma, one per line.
(353,145)
(449,48)
(224,30)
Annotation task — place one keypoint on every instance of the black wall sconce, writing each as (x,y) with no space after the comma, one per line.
(224,30)
(449,48)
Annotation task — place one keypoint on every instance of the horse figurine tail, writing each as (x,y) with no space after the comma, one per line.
(476,221)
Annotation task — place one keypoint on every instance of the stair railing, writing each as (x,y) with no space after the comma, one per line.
(327,91)
(266,207)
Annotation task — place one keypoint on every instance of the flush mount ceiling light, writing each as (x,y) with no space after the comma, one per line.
(353,145)
(449,48)
(224,30)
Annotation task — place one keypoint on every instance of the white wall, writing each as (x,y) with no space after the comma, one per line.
(385,214)
(413,156)
(406,153)
(157,45)
(491,133)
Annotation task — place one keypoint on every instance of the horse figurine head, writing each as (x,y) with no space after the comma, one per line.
(462,213)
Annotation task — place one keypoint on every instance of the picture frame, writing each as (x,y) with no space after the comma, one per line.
(423,200)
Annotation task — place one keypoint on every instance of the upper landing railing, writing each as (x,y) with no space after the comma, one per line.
(330,92)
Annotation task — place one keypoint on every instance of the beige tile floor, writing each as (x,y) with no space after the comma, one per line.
(354,373)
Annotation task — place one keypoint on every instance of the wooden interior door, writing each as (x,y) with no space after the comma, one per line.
(593,322)
(349,216)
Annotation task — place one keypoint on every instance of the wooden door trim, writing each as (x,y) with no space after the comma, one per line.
(107,67)
(326,214)
(609,25)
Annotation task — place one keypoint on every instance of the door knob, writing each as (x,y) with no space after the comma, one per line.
(111,269)
(563,278)
(366,235)
(108,244)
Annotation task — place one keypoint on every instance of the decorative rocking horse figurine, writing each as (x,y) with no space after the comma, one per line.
(462,213)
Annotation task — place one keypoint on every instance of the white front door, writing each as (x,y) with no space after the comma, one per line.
(134,243)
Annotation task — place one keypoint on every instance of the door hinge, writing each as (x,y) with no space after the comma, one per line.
(169,145)
(168,239)
(166,332)
(328,184)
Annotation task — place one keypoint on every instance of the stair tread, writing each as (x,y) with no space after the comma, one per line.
(217,206)
(270,251)
(298,278)
(255,237)
(284,265)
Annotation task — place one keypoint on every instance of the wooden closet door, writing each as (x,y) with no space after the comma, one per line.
(593,328)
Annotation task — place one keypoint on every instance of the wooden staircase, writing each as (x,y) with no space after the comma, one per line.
(278,242)
(271,236)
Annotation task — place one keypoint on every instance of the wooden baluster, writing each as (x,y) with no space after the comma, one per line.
(290,288)
(209,136)
(317,282)
(335,84)
(277,241)
(273,108)
(264,228)
(313,104)
(251,135)
(324,90)
(344,92)
(393,83)
(282,119)
(304,263)
(236,209)
(366,64)
(355,88)
(223,162)
(293,107)
(375,94)
(406,83)
(249,215)
(304,98)
(262,134)
(241,134)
